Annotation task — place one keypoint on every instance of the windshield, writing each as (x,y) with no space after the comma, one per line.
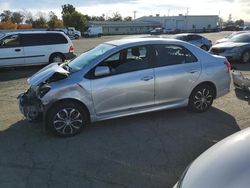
(87,57)
(240,38)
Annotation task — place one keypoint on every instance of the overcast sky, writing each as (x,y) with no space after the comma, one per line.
(238,8)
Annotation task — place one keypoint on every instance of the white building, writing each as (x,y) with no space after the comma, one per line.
(185,23)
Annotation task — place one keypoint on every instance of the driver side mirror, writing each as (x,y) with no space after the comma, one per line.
(102,71)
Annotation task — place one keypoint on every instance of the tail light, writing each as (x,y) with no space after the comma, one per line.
(71,48)
(228,65)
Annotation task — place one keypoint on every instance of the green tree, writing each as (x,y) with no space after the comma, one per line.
(54,22)
(72,18)
(76,20)
(115,17)
(40,23)
(68,8)
(128,18)
(6,16)
(17,17)
(240,22)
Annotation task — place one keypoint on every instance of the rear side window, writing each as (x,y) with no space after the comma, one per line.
(167,55)
(194,37)
(43,39)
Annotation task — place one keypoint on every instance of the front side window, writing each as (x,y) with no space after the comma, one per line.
(128,60)
(87,57)
(167,55)
(10,41)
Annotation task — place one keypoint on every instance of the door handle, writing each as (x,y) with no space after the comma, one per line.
(193,71)
(17,50)
(147,78)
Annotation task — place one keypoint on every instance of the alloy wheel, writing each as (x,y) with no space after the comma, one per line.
(203,99)
(67,121)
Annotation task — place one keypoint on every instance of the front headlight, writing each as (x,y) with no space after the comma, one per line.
(43,90)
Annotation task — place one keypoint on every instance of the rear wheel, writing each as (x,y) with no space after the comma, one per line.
(56,58)
(245,58)
(67,119)
(201,98)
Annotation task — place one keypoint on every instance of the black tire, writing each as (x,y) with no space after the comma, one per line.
(99,35)
(245,57)
(56,58)
(201,98)
(67,119)
(204,47)
(77,37)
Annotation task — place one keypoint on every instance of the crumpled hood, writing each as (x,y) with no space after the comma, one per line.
(228,45)
(47,72)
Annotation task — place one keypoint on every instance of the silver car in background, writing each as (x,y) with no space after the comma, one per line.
(195,39)
(235,49)
(124,77)
(224,165)
(227,38)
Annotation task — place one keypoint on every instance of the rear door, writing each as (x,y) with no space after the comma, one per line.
(176,71)
(11,51)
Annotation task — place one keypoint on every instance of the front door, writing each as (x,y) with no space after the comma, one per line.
(130,84)
(11,51)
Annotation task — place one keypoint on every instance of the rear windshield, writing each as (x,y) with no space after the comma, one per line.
(43,39)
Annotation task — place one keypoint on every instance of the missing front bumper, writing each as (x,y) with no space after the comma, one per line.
(30,106)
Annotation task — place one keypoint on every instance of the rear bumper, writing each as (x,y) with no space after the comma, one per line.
(69,55)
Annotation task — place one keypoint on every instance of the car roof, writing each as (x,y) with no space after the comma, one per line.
(141,40)
(30,32)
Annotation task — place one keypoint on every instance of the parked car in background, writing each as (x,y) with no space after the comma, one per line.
(70,31)
(195,39)
(160,30)
(94,31)
(227,38)
(235,49)
(34,48)
(242,86)
(224,165)
(124,77)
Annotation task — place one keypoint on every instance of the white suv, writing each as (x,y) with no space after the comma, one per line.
(34,48)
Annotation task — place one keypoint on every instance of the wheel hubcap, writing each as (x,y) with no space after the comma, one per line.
(67,121)
(246,57)
(203,99)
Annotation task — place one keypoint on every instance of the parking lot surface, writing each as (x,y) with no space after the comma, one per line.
(147,150)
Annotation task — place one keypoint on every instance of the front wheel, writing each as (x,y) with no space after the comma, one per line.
(245,58)
(201,98)
(67,119)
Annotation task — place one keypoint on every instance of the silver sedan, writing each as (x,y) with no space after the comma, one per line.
(124,77)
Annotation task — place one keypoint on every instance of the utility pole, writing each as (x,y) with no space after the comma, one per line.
(134,14)
(187,12)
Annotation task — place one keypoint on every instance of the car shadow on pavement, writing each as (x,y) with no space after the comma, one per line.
(147,150)
(7,74)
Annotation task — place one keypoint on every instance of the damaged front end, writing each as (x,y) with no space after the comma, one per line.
(31,102)
(30,105)
(242,86)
